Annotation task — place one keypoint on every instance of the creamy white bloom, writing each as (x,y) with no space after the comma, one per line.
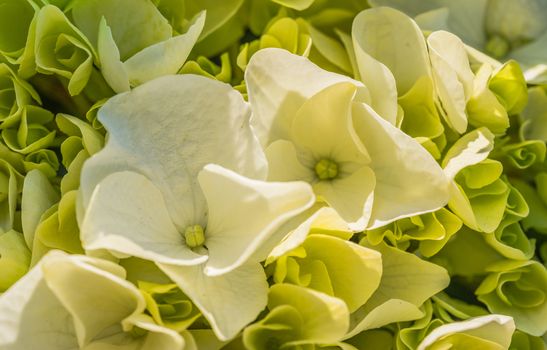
(151,193)
(316,126)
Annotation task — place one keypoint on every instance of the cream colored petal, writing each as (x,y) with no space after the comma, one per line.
(229,302)
(244,213)
(278,83)
(408,180)
(352,197)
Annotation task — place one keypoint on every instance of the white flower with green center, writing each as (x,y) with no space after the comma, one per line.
(45,311)
(317,127)
(152,193)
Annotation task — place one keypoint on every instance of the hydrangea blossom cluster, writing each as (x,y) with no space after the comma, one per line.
(273,174)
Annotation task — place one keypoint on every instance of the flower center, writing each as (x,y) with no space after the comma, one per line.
(326,169)
(194,236)
(497,46)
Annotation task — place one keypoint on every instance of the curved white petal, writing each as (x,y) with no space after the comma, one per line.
(352,196)
(32,317)
(82,288)
(453,76)
(324,218)
(127,215)
(495,328)
(168,129)
(278,83)
(408,180)
(244,213)
(470,149)
(229,302)
(377,77)
(394,39)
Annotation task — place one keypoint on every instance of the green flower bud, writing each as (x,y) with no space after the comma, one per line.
(203,66)
(285,33)
(517,289)
(168,305)
(82,142)
(44,160)
(57,47)
(509,85)
(15,93)
(497,47)
(32,133)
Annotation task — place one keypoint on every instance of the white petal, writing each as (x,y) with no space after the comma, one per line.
(470,149)
(31,316)
(377,77)
(352,197)
(101,299)
(168,129)
(229,302)
(278,83)
(453,76)
(244,213)
(495,328)
(325,218)
(394,39)
(408,180)
(127,215)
